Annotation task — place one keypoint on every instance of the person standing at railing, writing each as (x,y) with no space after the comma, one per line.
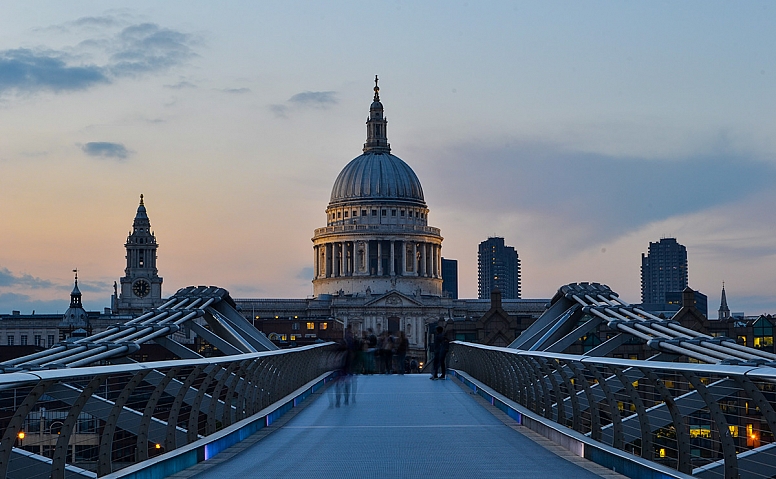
(441,346)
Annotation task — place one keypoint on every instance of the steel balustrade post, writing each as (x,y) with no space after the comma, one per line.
(533,386)
(16,423)
(646,430)
(725,438)
(175,410)
(680,426)
(254,401)
(611,402)
(148,412)
(517,379)
(193,429)
(232,396)
(61,448)
(572,393)
(766,409)
(555,394)
(215,398)
(546,405)
(510,379)
(245,387)
(592,402)
(105,455)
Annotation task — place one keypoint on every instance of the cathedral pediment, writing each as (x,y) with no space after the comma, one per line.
(393,299)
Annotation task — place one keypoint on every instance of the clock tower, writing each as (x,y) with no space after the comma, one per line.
(141,286)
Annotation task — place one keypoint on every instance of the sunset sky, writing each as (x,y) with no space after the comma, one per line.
(578,131)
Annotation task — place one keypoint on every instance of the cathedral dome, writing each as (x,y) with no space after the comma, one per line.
(377,176)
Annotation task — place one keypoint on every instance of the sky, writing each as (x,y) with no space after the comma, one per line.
(578,131)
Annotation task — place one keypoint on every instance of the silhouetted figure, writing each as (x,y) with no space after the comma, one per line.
(441,345)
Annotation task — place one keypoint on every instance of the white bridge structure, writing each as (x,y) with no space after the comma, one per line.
(701,406)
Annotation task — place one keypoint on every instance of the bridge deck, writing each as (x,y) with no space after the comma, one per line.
(396,426)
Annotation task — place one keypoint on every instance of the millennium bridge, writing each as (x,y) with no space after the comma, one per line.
(700,406)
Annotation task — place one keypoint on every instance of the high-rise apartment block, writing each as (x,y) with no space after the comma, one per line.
(499,267)
(663,270)
(450,277)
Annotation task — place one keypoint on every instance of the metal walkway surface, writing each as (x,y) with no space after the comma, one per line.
(396,426)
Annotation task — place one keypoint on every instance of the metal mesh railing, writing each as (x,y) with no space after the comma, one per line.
(91,421)
(708,420)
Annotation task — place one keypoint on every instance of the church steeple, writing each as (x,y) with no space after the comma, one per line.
(141,286)
(724,311)
(75,295)
(376,125)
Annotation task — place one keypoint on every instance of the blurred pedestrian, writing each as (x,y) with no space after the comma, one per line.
(441,345)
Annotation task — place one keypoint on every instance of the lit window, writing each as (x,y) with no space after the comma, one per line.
(324,325)
(310,325)
(293,337)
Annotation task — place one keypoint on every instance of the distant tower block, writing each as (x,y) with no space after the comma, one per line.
(498,268)
(663,270)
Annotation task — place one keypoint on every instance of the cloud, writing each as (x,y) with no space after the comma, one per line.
(133,51)
(305,273)
(181,85)
(28,71)
(147,47)
(316,99)
(236,90)
(591,196)
(280,111)
(105,149)
(9,279)
(307,99)
(26,304)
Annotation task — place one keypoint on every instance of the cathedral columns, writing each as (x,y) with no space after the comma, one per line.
(379,258)
(343,260)
(393,268)
(422,259)
(315,262)
(414,258)
(367,260)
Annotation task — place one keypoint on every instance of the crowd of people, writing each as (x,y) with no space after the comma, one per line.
(378,354)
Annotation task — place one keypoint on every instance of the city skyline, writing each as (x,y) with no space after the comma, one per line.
(581,133)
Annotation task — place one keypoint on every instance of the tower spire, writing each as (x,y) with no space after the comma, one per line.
(724,311)
(376,126)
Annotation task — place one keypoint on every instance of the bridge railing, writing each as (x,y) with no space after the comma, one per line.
(91,421)
(707,420)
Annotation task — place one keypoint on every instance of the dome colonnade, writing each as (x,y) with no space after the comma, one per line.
(377,237)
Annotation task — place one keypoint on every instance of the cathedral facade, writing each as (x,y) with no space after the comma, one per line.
(377,264)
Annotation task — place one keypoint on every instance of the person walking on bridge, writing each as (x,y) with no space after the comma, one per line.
(441,345)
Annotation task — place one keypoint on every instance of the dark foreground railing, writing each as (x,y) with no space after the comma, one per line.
(702,419)
(91,421)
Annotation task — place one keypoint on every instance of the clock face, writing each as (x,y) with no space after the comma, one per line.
(141,288)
